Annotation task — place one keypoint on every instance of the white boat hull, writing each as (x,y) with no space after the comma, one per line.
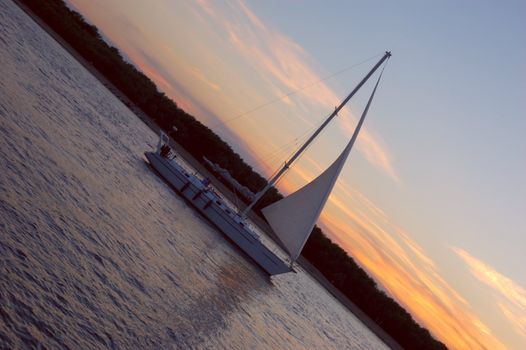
(214,209)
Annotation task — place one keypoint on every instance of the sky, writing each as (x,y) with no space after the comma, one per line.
(431,201)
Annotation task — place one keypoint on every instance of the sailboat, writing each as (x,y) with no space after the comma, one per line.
(291,218)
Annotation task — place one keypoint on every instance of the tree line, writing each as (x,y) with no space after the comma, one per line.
(200,141)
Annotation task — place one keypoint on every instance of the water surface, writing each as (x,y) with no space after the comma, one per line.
(97,252)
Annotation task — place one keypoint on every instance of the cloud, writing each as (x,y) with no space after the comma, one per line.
(401,266)
(511,296)
(199,75)
(285,66)
(517,319)
(404,270)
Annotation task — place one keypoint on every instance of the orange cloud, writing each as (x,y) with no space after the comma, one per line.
(402,267)
(517,319)
(511,297)
(285,66)
(199,75)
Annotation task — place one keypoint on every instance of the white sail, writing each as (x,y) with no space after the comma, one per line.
(293,217)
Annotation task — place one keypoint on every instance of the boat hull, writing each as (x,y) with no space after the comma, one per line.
(212,208)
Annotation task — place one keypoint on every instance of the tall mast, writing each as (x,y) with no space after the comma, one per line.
(313,136)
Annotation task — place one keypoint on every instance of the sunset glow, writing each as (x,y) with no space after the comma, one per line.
(404,270)
(421,178)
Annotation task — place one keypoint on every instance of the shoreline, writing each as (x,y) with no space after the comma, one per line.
(305,265)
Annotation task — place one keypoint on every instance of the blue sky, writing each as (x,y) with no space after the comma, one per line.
(434,194)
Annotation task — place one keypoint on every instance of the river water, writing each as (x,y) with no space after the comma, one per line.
(97,252)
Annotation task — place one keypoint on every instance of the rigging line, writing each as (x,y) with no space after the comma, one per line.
(293,92)
(279,155)
(301,155)
(286,146)
(274,154)
(283,149)
(297,159)
(265,159)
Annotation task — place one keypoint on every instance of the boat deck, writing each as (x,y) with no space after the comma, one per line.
(212,207)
